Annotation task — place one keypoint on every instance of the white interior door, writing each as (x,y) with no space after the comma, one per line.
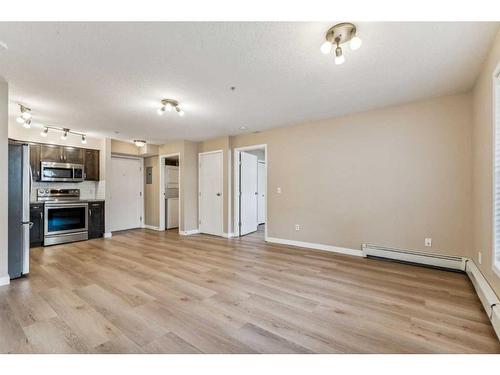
(210,193)
(261,188)
(126,193)
(248,192)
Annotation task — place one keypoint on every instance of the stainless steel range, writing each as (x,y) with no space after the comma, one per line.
(66,218)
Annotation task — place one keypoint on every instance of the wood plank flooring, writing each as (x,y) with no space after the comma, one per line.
(144,291)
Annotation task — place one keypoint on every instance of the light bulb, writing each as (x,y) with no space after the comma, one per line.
(181,112)
(140,143)
(44,132)
(160,111)
(339,60)
(64,136)
(27,124)
(168,106)
(20,120)
(355,43)
(326,47)
(26,115)
(84,141)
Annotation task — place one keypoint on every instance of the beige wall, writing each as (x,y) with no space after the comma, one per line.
(4,170)
(390,176)
(152,193)
(483,166)
(124,148)
(221,143)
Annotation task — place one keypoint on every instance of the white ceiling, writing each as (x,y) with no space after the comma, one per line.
(106,77)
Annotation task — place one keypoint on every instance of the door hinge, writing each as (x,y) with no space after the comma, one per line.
(140,193)
(140,218)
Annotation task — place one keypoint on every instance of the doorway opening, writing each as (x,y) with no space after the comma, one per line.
(250,216)
(170,192)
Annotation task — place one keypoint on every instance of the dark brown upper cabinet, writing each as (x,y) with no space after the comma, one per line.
(35,160)
(61,154)
(91,166)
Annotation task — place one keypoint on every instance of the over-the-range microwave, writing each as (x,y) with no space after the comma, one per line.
(62,172)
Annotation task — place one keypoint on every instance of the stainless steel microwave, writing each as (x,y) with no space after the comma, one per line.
(63,172)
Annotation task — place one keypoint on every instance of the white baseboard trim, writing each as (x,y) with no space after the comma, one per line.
(229,235)
(152,227)
(108,234)
(316,246)
(4,280)
(188,232)
(487,296)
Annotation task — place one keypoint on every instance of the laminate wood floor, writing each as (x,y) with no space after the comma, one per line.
(144,291)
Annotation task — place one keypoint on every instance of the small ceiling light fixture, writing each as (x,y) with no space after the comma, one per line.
(167,105)
(65,134)
(45,132)
(27,124)
(337,35)
(139,143)
(84,140)
(25,116)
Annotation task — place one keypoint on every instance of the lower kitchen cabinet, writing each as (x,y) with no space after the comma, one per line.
(96,219)
(36,231)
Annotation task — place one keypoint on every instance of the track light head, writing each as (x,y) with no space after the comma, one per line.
(44,132)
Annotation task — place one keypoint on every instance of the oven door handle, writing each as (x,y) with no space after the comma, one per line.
(64,205)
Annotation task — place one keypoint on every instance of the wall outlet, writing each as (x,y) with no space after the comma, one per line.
(297,227)
(278,190)
(479,257)
(428,242)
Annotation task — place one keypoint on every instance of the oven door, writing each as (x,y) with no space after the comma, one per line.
(57,172)
(65,218)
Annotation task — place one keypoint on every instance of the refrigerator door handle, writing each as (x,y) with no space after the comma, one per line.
(30,223)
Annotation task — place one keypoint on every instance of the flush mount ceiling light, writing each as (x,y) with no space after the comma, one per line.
(336,36)
(140,143)
(25,117)
(168,105)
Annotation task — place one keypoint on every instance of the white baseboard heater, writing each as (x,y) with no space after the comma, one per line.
(415,257)
(487,296)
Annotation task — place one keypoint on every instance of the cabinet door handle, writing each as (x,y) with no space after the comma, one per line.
(90,212)
(41,215)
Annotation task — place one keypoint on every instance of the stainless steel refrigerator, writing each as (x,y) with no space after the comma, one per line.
(19,209)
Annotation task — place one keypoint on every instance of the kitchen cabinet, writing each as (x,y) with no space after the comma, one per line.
(36,231)
(91,165)
(61,154)
(96,219)
(51,153)
(73,155)
(35,160)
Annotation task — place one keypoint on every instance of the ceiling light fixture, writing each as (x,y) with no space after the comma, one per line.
(25,116)
(65,134)
(84,140)
(27,124)
(167,105)
(45,132)
(140,143)
(337,35)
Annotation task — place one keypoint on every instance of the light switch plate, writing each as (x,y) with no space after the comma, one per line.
(278,190)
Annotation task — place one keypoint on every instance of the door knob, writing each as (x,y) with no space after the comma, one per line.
(218,194)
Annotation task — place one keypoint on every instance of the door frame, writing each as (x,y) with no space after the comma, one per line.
(143,181)
(161,165)
(236,202)
(221,234)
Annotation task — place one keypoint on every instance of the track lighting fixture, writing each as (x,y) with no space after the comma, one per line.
(25,116)
(65,134)
(337,35)
(167,105)
(139,143)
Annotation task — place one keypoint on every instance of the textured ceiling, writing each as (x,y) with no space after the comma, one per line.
(103,78)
